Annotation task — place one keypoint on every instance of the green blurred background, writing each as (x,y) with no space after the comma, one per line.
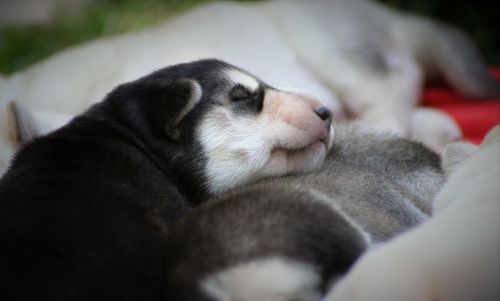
(21,46)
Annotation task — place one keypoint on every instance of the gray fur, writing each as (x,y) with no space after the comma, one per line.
(255,222)
(372,182)
(384,183)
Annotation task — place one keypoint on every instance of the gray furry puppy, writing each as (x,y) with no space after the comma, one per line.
(261,242)
(383,182)
(290,237)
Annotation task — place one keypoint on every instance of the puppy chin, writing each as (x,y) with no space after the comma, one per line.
(314,155)
(307,159)
(303,160)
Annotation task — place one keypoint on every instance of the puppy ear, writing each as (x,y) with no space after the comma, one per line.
(455,153)
(179,99)
(22,125)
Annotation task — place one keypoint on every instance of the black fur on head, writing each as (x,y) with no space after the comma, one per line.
(163,109)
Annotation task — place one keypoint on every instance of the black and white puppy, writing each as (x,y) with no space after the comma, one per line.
(84,211)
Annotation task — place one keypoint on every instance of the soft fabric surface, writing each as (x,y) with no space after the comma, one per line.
(475,116)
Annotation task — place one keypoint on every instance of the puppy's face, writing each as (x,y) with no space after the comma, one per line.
(251,131)
(242,128)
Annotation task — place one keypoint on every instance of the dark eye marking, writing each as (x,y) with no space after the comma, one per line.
(245,101)
(240,93)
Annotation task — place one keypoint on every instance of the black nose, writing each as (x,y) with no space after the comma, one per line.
(323,113)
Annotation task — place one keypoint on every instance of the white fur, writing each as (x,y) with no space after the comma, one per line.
(327,29)
(270,279)
(242,78)
(208,31)
(492,137)
(252,148)
(455,256)
(454,153)
(320,46)
(434,128)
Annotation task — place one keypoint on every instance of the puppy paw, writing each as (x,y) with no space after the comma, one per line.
(434,128)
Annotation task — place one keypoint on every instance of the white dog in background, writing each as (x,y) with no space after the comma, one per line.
(362,59)
(455,256)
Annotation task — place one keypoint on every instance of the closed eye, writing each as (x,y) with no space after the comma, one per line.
(244,101)
(240,93)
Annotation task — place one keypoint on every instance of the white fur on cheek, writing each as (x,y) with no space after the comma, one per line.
(285,137)
(234,147)
(272,279)
(241,149)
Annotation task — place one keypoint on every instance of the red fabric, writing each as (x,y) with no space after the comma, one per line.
(475,116)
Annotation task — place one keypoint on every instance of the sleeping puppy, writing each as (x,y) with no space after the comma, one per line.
(84,210)
(290,238)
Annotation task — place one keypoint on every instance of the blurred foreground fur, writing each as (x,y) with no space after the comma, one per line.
(452,257)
